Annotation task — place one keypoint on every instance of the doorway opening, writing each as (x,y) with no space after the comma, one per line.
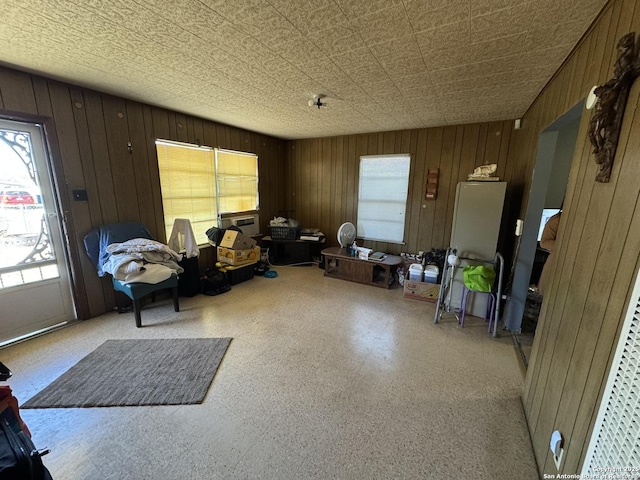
(35,287)
(556,146)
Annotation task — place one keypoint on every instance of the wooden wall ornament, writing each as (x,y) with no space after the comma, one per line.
(432,184)
(605,124)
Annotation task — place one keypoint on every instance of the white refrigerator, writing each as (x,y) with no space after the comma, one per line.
(476,225)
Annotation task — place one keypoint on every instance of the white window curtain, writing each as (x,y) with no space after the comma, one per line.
(237,181)
(382,197)
(188,187)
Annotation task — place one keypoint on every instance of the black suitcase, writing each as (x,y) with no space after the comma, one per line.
(19,458)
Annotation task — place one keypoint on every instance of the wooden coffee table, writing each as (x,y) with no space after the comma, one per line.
(339,264)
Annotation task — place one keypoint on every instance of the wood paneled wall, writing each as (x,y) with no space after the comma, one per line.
(315,181)
(598,251)
(323,177)
(88,135)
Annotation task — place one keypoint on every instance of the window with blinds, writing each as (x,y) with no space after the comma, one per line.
(198,183)
(187,181)
(237,181)
(615,441)
(382,197)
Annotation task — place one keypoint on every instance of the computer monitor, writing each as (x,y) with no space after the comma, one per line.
(547,213)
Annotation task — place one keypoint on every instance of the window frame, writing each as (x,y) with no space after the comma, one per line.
(366,225)
(219,196)
(214,183)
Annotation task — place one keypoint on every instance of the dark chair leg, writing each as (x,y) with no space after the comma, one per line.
(176,304)
(136,312)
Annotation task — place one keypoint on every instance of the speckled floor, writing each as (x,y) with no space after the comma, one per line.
(323,379)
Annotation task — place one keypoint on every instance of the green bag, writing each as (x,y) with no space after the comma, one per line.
(479,278)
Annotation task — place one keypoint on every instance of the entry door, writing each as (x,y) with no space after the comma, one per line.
(35,289)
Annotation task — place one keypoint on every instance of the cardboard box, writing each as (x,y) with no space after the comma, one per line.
(237,241)
(427,292)
(229,256)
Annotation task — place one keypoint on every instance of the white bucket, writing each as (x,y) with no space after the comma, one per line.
(431,274)
(415,272)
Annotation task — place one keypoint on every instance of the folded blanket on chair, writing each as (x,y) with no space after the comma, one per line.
(127,260)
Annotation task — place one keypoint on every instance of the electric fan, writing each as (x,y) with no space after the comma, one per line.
(346,234)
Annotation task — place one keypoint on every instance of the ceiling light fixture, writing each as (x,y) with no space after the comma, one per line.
(317,101)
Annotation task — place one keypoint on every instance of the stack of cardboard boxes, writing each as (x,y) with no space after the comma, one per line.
(237,255)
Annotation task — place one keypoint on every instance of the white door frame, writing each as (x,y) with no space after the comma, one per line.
(39,295)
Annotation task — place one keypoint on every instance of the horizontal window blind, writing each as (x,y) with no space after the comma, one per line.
(382,197)
(187,181)
(237,177)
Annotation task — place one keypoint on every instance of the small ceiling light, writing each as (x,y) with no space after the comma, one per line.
(317,101)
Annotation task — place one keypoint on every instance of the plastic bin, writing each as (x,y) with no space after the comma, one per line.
(415,272)
(237,275)
(431,274)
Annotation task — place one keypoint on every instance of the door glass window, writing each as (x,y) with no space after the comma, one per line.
(26,255)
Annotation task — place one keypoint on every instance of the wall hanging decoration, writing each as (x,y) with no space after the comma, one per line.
(432,184)
(611,100)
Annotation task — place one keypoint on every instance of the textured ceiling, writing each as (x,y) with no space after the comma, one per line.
(383,64)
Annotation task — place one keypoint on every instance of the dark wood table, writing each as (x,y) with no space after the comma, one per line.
(339,264)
